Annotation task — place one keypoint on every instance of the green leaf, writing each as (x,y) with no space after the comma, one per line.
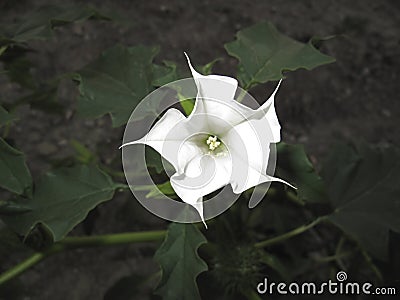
(82,154)
(5,116)
(43,98)
(14,174)
(207,68)
(39,24)
(163,188)
(294,166)
(165,74)
(264,53)
(363,185)
(186,103)
(154,160)
(12,208)
(116,82)
(62,199)
(180,262)
(2,50)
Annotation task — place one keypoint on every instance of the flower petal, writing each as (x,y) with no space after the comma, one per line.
(168,137)
(249,142)
(267,111)
(215,98)
(218,87)
(203,175)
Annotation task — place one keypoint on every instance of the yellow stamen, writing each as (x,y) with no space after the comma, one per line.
(213,142)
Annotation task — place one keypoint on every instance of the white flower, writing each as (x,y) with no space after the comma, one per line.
(221,142)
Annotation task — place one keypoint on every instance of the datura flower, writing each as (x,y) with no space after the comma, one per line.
(221,142)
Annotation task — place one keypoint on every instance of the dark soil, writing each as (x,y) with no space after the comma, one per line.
(354,98)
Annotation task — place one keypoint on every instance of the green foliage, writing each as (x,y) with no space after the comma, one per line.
(264,53)
(44,98)
(9,208)
(207,68)
(41,95)
(116,82)
(164,188)
(237,267)
(180,262)
(5,116)
(359,183)
(363,188)
(62,199)
(294,166)
(164,74)
(82,154)
(186,103)
(14,174)
(2,50)
(154,160)
(39,24)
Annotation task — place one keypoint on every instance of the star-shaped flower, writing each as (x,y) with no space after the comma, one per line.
(221,142)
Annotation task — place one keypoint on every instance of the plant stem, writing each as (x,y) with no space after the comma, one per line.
(335,257)
(112,239)
(78,242)
(21,267)
(371,264)
(288,235)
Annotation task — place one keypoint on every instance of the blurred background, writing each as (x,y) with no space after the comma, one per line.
(355,98)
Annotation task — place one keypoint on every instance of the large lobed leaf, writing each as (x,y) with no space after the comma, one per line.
(180,262)
(39,24)
(14,174)
(363,185)
(117,81)
(264,53)
(62,199)
(294,166)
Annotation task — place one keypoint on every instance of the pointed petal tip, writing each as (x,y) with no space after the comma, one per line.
(277,87)
(188,60)
(129,143)
(205,224)
(272,178)
(195,74)
(292,186)
(251,205)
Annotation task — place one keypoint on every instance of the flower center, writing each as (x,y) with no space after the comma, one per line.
(213,142)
